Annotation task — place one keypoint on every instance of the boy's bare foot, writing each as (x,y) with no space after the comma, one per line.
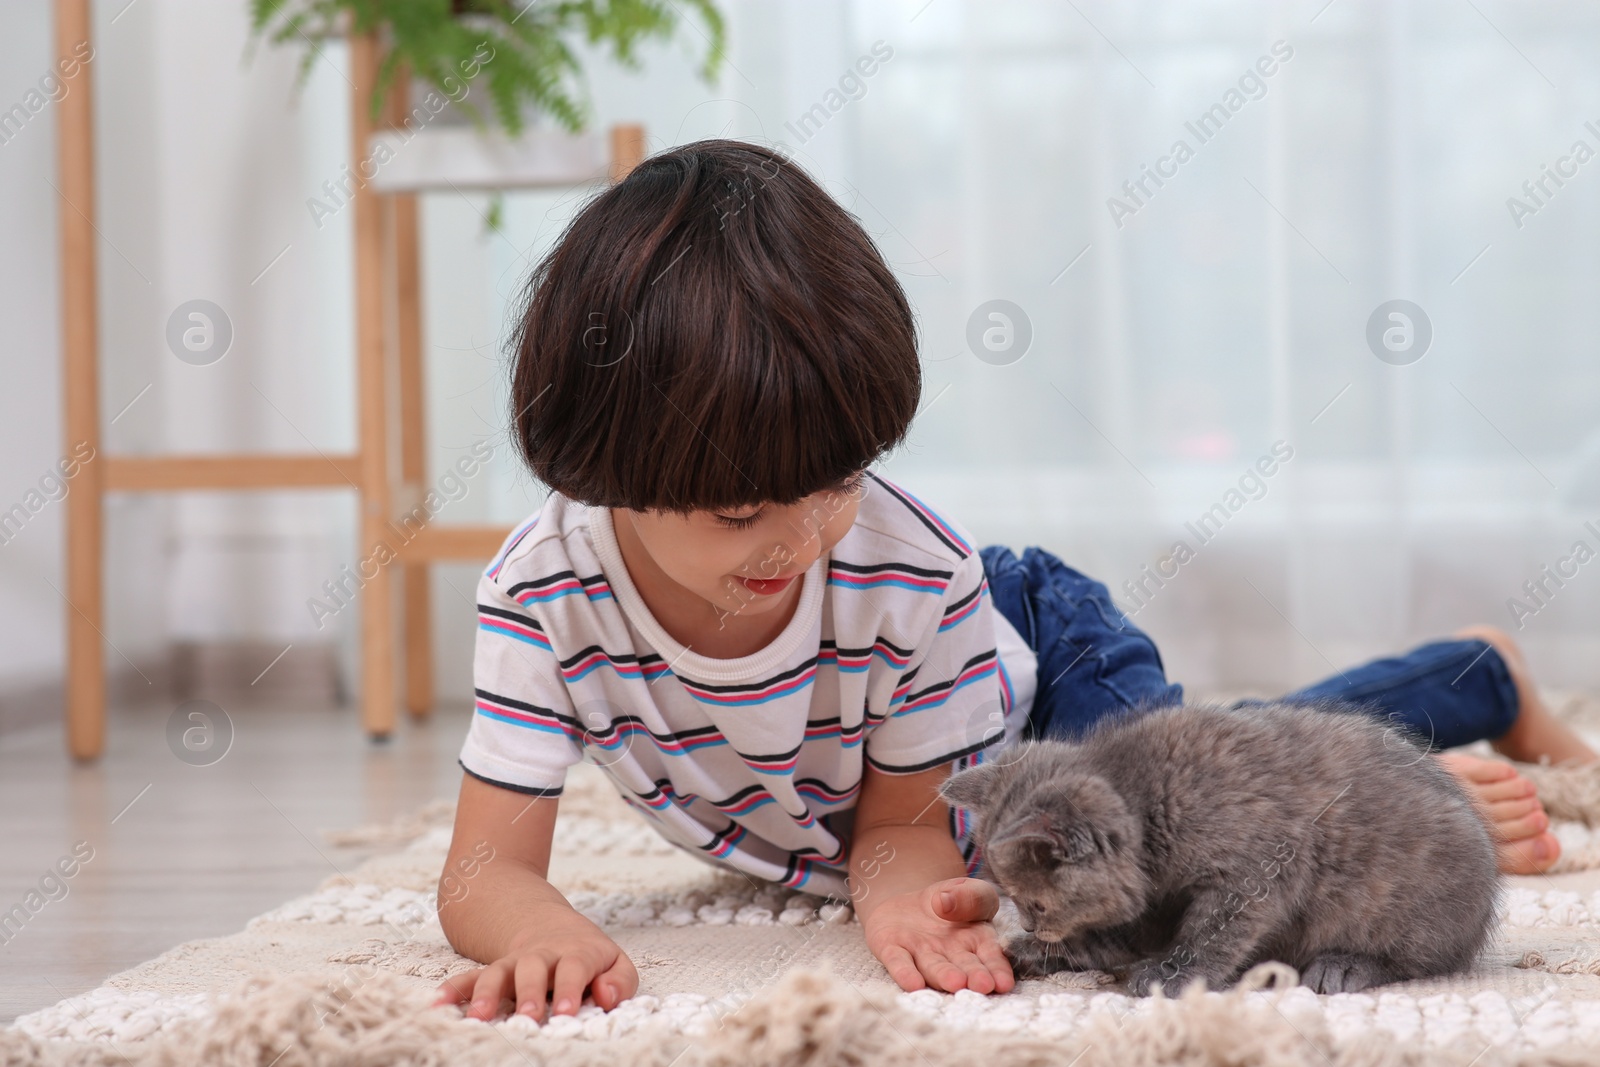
(1509,801)
(1510,806)
(1537,732)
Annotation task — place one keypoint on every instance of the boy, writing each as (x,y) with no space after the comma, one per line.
(775,654)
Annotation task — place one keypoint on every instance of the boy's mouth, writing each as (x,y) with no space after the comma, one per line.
(764,586)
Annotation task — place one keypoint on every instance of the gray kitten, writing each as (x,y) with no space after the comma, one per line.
(1193,842)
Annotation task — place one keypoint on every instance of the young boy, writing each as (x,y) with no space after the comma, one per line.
(776,654)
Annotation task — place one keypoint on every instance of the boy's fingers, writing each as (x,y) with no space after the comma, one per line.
(976,974)
(902,968)
(532,980)
(940,972)
(456,988)
(964,900)
(566,991)
(489,991)
(1000,967)
(617,983)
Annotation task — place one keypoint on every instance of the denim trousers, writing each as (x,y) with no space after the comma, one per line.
(1094,662)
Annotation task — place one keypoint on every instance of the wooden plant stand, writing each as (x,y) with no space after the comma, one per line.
(389,355)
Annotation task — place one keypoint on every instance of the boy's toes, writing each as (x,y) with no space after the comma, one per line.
(1505,811)
(1515,787)
(1531,855)
(1475,770)
(1514,821)
(1511,809)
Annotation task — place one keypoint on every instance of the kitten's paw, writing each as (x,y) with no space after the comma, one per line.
(1172,973)
(1162,971)
(1030,957)
(1147,975)
(1344,972)
(1091,951)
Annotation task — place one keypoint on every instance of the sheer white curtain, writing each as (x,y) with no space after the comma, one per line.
(1339,156)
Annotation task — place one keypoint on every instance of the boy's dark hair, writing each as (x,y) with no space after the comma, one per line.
(712,332)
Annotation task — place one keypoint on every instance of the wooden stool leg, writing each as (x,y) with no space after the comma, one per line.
(377,600)
(627,149)
(418,604)
(86,666)
(418,647)
(413,451)
(418,640)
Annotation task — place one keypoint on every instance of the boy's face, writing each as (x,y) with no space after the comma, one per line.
(744,561)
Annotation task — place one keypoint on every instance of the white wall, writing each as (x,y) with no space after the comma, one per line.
(981,156)
(30,435)
(204,162)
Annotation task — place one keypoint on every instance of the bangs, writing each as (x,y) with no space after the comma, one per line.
(711,333)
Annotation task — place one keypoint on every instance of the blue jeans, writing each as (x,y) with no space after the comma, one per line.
(1093,662)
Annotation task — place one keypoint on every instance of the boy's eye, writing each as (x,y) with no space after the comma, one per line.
(739,522)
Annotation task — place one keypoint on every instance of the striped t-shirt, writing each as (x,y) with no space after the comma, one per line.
(895,657)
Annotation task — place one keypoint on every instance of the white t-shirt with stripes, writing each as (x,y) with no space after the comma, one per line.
(895,656)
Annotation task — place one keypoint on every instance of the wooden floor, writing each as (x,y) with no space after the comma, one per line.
(181,851)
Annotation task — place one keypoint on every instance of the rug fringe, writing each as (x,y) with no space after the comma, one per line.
(808,1018)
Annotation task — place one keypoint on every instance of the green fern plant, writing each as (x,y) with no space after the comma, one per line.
(528,42)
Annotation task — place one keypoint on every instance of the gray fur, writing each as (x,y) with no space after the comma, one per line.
(1194,842)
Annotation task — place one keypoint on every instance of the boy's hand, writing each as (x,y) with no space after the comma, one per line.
(940,936)
(566,955)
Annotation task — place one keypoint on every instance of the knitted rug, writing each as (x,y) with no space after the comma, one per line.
(734,972)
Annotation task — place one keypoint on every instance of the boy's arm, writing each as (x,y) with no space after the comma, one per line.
(924,919)
(496,907)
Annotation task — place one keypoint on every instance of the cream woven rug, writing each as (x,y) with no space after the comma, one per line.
(737,973)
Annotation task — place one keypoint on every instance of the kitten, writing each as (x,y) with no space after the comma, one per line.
(1193,842)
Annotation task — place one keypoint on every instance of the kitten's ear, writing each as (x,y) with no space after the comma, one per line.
(1046,845)
(1036,849)
(971,787)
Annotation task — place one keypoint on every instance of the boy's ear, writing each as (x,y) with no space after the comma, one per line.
(971,787)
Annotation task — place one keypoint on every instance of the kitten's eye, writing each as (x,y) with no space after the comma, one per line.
(1078,846)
